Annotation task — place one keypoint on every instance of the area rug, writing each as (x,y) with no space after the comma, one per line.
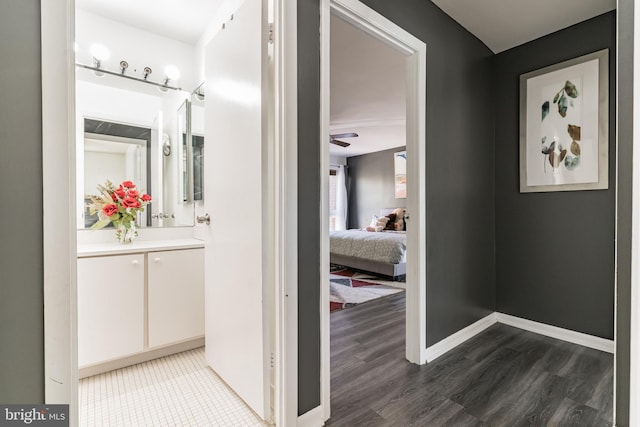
(350,288)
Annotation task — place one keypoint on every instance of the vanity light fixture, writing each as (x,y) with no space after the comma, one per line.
(100,53)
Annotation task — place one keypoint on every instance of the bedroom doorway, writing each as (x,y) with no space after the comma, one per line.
(350,128)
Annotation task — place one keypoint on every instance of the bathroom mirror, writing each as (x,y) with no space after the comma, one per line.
(191,113)
(142,127)
(114,151)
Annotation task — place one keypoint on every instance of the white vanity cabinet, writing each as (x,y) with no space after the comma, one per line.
(110,307)
(175,296)
(138,302)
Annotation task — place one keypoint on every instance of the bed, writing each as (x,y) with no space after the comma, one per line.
(381,252)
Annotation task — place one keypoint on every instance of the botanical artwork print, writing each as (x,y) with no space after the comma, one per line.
(562,126)
(400,166)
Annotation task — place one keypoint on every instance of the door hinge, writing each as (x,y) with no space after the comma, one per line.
(271,32)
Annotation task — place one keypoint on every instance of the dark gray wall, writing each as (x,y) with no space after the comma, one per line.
(308,205)
(21,259)
(459,150)
(625,193)
(460,217)
(371,186)
(555,251)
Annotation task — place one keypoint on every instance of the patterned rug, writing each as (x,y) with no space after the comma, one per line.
(350,288)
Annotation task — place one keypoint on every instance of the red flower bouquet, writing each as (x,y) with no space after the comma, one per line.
(120,206)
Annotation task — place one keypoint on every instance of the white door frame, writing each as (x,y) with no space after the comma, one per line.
(58,219)
(365,18)
(59,224)
(285,205)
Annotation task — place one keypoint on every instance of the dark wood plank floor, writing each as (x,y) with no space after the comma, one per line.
(502,377)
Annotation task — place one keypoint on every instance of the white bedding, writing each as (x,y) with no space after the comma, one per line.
(389,247)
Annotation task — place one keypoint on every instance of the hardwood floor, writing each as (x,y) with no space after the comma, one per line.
(503,377)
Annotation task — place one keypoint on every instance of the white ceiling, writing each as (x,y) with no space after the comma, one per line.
(367,76)
(182,20)
(503,24)
(367,91)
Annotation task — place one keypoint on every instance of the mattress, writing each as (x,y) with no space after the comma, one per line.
(389,247)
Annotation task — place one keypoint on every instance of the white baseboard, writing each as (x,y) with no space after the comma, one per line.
(431,353)
(558,333)
(312,418)
(144,356)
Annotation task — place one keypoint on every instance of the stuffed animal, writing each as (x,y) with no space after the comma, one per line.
(391,223)
(377,223)
(398,225)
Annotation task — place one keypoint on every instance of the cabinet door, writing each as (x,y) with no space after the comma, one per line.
(110,307)
(176,296)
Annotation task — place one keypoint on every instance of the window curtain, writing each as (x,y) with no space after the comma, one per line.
(341,199)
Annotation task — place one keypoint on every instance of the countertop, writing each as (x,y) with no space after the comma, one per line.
(137,246)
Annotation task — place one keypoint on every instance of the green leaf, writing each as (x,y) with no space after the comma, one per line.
(562,106)
(100,224)
(570,89)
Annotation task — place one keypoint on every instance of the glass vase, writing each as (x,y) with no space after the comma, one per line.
(126,232)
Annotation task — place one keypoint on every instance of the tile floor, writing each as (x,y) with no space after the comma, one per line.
(177,390)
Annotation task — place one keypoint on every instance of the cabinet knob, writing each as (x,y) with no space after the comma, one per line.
(156,259)
(135,262)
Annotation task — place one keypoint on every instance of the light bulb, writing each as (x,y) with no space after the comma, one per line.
(172,72)
(99,52)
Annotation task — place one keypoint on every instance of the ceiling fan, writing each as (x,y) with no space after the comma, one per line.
(333,140)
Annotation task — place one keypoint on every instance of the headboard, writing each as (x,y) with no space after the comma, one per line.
(386,211)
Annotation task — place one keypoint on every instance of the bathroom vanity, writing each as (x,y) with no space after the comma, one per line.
(139,301)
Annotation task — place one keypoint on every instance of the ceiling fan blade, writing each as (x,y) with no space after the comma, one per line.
(345,135)
(340,143)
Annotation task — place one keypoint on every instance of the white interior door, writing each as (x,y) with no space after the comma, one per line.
(235,134)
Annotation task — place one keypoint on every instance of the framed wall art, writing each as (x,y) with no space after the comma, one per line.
(564,126)
(400,169)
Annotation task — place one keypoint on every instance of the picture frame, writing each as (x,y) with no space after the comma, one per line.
(564,126)
(400,171)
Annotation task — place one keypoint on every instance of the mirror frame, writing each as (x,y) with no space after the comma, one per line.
(185,139)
